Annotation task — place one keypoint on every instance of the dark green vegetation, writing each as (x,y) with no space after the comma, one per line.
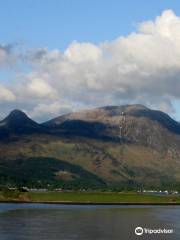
(47,172)
(127,147)
(8,194)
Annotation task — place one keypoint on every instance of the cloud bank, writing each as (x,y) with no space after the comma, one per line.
(143,67)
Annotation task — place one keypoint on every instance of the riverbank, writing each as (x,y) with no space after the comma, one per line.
(101,198)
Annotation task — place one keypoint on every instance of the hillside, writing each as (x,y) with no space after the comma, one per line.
(40,172)
(127,146)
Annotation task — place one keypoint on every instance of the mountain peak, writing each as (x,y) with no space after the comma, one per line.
(17,114)
(18,121)
(124,108)
(127,107)
(135,107)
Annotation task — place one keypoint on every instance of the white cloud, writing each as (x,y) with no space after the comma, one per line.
(6,94)
(3,55)
(39,88)
(7,56)
(82,52)
(49,110)
(142,67)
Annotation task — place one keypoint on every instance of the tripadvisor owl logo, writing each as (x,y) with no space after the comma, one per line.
(138,231)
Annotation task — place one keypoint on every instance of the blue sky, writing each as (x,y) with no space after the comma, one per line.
(55,24)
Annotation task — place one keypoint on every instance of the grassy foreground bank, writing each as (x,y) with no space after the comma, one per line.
(89,198)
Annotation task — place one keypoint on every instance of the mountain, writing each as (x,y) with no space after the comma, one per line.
(98,114)
(17,122)
(128,146)
(130,123)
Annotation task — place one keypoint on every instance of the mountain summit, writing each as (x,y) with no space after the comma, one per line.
(17,117)
(130,123)
(17,122)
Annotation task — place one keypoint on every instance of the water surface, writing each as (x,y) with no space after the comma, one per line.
(82,222)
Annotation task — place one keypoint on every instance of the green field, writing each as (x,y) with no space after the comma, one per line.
(91,197)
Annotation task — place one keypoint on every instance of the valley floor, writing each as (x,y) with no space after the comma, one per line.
(91,198)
